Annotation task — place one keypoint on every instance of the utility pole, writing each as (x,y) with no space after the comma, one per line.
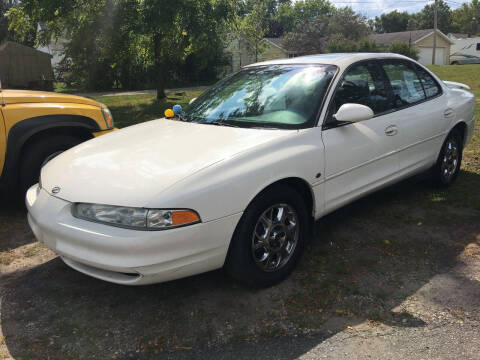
(435,26)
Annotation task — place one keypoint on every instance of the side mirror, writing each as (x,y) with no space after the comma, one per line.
(353,113)
(191,101)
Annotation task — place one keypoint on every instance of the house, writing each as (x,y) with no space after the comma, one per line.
(421,40)
(25,67)
(271,48)
(56,48)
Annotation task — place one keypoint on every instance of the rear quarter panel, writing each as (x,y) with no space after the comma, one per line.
(463,104)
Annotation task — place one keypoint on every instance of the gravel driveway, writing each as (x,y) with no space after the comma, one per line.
(395,275)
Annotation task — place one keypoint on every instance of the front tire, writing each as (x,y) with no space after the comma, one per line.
(270,238)
(39,153)
(449,161)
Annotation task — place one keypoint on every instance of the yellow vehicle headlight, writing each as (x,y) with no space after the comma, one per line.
(107,115)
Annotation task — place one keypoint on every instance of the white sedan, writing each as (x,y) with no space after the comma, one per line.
(238,179)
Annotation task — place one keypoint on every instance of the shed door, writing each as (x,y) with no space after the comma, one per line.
(425,56)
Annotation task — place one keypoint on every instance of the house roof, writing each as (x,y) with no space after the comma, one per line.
(412,36)
(278,42)
(13,45)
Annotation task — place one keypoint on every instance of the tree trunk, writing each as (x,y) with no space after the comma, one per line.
(159,83)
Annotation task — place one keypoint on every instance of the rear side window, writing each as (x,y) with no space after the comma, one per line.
(429,84)
(406,86)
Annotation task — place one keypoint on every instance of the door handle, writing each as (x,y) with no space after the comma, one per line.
(448,113)
(391,130)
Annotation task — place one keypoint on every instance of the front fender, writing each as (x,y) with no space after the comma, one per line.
(227,187)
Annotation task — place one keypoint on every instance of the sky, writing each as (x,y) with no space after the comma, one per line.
(372,8)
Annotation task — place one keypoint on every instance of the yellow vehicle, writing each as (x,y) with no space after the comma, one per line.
(36,126)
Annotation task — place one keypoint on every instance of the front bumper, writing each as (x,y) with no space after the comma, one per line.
(103,132)
(124,256)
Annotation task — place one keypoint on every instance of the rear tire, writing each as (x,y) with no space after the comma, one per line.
(38,153)
(449,161)
(270,238)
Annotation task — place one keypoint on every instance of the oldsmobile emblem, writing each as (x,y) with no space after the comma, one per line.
(55,190)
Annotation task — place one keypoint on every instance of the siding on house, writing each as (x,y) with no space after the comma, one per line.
(272,52)
(240,57)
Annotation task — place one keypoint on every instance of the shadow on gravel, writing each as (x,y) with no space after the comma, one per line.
(366,260)
(14,231)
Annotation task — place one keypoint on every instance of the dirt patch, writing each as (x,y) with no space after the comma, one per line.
(389,260)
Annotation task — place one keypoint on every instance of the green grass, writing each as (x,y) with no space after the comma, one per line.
(61,87)
(134,109)
(470,75)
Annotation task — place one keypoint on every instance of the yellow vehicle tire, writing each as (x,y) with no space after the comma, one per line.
(38,153)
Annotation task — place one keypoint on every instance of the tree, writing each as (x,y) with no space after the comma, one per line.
(82,21)
(308,37)
(343,26)
(403,48)
(393,21)
(177,27)
(289,16)
(466,19)
(14,25)
(424,18)
(253,28)
(129,42)
(340,45)
(348,24)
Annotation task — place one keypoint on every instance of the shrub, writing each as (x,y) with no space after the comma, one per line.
(403,48)
(340,45)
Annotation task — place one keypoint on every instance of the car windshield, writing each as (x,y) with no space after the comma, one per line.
(274,96)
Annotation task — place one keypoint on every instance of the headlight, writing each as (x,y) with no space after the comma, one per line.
(135,218)
(107,115)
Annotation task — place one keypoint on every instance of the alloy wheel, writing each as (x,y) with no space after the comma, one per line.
(451,157)
(275,237)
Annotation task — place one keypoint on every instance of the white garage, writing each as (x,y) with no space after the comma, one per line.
(422,40)
(425,56)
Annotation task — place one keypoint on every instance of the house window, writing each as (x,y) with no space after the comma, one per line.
(478,46)
(292,55)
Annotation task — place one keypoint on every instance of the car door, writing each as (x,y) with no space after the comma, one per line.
(359,157)
(421,113)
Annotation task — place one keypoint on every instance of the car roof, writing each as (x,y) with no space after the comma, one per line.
(340,59)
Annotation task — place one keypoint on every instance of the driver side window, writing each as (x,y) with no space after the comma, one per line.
(362,84)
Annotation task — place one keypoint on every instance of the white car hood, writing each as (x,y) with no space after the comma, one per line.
(130,166)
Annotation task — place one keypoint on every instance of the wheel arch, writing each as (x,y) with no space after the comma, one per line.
(27,131)
(462,127)
(297,183)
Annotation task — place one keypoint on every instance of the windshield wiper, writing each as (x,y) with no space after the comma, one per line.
(222,123)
